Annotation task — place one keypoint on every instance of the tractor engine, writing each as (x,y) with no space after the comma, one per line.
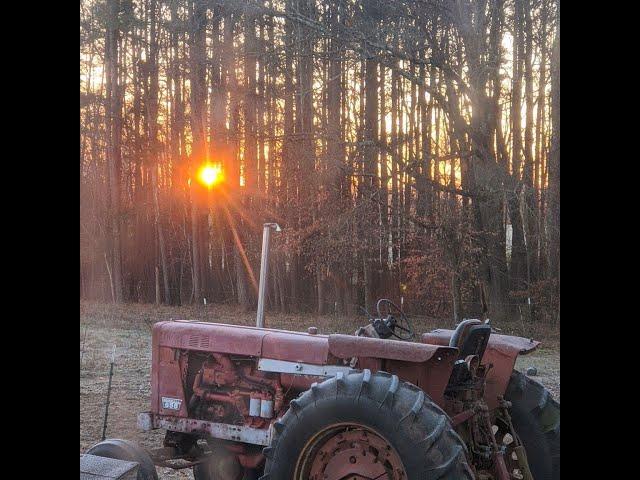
(230,390)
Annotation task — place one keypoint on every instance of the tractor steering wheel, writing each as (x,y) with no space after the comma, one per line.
(400,322)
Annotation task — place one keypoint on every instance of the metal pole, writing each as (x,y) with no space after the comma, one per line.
(106,407)
(264,267)
(84,337)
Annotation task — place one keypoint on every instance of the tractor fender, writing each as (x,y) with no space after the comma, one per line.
(501,353)
(427,366)
(348,346)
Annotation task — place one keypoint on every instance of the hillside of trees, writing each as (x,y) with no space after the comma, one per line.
(408,149)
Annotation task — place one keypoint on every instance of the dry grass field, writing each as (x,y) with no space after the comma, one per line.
(128,328)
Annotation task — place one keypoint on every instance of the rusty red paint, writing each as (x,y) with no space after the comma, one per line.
(462,417)
(431,376)
(299,347)
(224,380)
(357,453)
(502,352)
(241,340)
(424,365)
(500,468)
(169,383)
(238,433)
(347,346)
(506,344)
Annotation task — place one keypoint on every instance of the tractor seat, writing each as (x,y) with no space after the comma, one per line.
(470,338)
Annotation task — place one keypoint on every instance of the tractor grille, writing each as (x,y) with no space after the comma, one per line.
(198,341)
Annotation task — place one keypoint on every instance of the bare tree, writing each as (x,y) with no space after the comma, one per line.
(114,136)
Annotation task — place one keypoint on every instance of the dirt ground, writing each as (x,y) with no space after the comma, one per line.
(128,328)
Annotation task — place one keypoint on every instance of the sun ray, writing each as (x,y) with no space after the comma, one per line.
(232,202)
(243,253)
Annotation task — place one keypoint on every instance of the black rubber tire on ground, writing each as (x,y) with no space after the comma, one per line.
(126,450)
(419,431)
(536,420)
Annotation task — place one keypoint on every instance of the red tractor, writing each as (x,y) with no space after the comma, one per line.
(246,403)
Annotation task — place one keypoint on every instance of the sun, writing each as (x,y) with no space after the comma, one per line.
(210,175)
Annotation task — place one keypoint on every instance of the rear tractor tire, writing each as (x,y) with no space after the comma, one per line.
(536,420)
(365,425)
(126,450)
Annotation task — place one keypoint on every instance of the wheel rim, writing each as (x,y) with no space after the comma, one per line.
(349,452)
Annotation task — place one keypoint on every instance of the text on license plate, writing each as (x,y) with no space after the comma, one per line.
(169,403)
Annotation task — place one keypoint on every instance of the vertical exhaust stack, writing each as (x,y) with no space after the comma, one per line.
(264,267)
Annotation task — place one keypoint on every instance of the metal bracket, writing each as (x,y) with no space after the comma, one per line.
(237,433)
(283,366)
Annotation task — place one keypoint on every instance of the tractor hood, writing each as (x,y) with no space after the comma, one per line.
(286,345)
(242,340)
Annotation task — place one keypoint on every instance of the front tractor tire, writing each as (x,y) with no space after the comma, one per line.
(365,425)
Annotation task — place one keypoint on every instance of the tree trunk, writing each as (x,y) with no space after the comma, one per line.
(161,239)
(553,202)
(518,267)
(154,150)
(370,166)
(250,141)
(540,157)
(197,40)
(114,135)
(395,161)
(288,166)
(456,294)
(485,172)
(424,201)
(528,204)
(321,294)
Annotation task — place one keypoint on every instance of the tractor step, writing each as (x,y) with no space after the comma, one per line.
(93,467)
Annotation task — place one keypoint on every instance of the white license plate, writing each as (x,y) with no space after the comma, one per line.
(171,403)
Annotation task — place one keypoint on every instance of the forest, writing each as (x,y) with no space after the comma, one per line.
(409,149)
